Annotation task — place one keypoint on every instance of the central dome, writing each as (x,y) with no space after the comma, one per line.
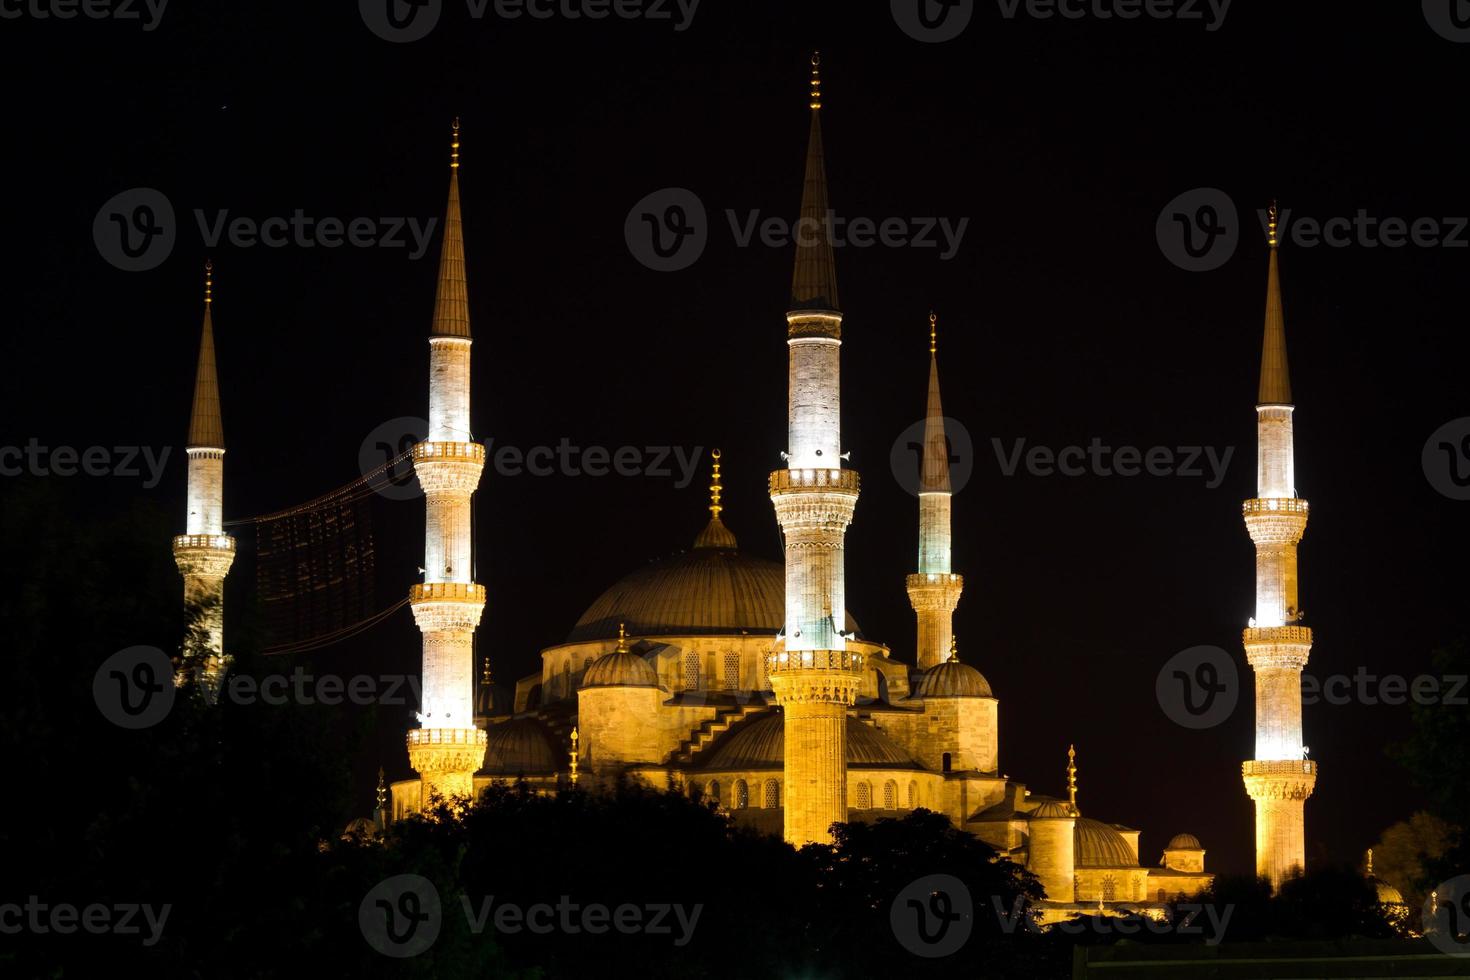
(712,590)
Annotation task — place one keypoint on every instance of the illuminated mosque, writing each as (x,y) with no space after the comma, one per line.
(746,682)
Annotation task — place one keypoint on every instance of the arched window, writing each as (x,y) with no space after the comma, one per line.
(691,670)
(732,670)
(773,794)
(742,794)
(890,795)
(566,678)
(1110,889)
(585,664)
(944,762)
(913,795)
(864,796)
(712,790)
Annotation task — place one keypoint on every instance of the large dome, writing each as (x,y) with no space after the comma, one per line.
(761,744)
(711,590)
(520,746)
(1101,846)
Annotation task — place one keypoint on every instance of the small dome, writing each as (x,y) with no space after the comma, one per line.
(521,745)
(1050,810)
(1101,846)
(953,679)
(1387,894)
(1183,842)
(620,668)
(362,828)
(760,744)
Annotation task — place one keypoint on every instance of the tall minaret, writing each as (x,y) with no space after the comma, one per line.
(204,552)
(1280,778)
(447,748)
(934,591)
(814,677)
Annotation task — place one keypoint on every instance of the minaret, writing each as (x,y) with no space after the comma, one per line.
(934,591)
(814,677)
(204,552)
(1280,778)
(447,748)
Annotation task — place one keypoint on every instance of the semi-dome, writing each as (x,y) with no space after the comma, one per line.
(521,745)
(760,744)
(620,668)
(1101,846)
(712,590)
(952,679)
(1183,842)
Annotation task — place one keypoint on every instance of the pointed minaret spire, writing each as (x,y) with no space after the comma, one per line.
(935,476)
(1072,780)
(814,284)
(206,430)
(1275,378)
(451,303)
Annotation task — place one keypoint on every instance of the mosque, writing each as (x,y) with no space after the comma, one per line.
(747,682)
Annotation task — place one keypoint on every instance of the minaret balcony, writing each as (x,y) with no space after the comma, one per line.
(447,606)
(205,555)
(448,466)
(1275,520)
(1277,646)
(211,542)
(1279,779)
(803,480)
(797,660)
(812,501)
(473,452)
(935,590)
(815,676)
(441,750)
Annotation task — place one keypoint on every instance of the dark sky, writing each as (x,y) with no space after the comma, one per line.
(1061,320)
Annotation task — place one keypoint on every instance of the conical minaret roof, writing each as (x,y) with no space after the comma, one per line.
(451,300)
(935,476)
(1275,378)
(206,430)
(814,283)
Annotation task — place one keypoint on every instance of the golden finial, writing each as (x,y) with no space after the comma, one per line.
(1072,778)
(622,639)
(454,146)
(715,487)
(208,281)
(1370,862)
(816,79)
(575,739)
(954,648)
(382,790)
(1271,224)
(933,332)
(485,672)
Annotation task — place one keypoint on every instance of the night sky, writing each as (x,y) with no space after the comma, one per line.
(1060,320)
